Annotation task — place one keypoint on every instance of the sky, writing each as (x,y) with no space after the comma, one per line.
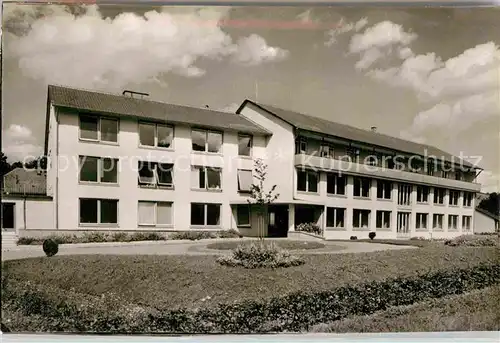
(429,75)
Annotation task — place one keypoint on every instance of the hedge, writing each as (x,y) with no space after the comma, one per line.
(71,311)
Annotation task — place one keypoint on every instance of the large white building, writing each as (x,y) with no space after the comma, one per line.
(122,162)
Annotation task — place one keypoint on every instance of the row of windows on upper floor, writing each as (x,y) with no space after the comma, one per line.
(98,170)
(336,184)
(154,135)
(415,164)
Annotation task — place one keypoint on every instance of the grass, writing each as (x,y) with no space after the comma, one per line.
(284,244)
(101,237)
(475,311)
(183,281)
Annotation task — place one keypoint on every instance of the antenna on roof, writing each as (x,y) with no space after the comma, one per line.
(132,93)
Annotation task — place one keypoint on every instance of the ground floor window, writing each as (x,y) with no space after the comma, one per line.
(98,211)
(154,213)
(205,214)
(361,218)
(335,217)
(383,219)
(437,221)
(466,223)
(243,215)
(8,215)
(422,221)
(452,222)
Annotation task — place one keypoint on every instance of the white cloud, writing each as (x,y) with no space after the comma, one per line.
(405,53)
(368,58)
(490,181)
(84,49)
(383,34)
(343,28)
(18,143)
(306,17)
(253,50)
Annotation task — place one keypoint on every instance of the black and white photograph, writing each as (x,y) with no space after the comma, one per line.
(243,169)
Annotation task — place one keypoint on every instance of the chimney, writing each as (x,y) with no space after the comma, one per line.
(132,93)
(373,128)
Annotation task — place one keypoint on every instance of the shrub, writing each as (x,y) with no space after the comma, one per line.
(260,255)
(26,241)
(232,233)
(353,238)
(192,235)
(50,247)
(146,236)
(310,228)
(295,312)
(372,235)
(472,241)
(94,237)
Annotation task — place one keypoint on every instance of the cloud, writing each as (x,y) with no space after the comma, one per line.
(490,181)
(253,50)
(343,28)
(383,34)
(18,143)
(77,46)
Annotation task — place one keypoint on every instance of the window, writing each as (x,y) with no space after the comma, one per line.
(430,168)
(207,141)
(98,211)
(362,187)
(326,150)
(390,162)
(404,194)
(98,170)
(206,178)
(459,175)
(156,135)
(439,196)
(422,221)
(245,180)
(205,214)
(154,213)
(467,201)
(453,198)
(444,174)
(384,189)
(245,145)
(300,145)
(422,194)
(452,222)
(371,160)
(243,215)
(353,153)
(466,223)
(335,184)
(98,129)
(437,221)
(153,173)
(383,219)
(335,217)
(360,218)
(307,181)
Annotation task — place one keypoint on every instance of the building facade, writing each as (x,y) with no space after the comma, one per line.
(118,162)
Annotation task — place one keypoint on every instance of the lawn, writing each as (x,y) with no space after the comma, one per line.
(285,244)
(475,311)
(183,281)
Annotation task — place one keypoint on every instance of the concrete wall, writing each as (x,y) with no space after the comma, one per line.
(127,191)
(31,213)
(483,223)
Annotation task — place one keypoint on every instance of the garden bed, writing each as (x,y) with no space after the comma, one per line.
(474,311)
(184,281)
(284,244)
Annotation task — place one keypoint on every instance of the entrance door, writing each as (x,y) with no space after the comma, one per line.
(8,216)
(403,225)
(277,221)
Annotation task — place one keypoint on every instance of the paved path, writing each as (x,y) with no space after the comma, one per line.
(194,248)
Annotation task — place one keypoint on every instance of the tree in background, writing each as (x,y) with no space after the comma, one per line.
(5,166)
(491,204)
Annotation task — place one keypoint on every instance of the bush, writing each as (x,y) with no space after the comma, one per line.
(50,247)
(192,235)
(232,233)
(472,241)
(260,255)
(353,238)
(146,236)
(372,235)
(310,228)
(296,312)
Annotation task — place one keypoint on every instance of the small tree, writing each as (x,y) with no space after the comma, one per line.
(259,198)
